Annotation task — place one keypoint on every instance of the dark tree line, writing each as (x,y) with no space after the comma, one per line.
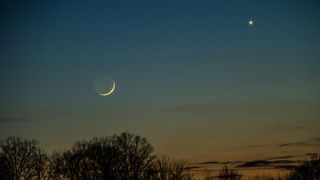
(118,157)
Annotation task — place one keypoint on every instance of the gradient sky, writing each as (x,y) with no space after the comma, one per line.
(191,76)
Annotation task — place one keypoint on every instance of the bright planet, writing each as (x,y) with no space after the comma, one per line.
(251,22)
(104,85)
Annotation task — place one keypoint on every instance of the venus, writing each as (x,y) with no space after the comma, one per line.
(251,22)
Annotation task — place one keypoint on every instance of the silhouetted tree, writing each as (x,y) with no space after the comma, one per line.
(5,169)
(179,170)
(54,166)
(40,159)
(126,156)
(163,165)
(76,164)
(21,159)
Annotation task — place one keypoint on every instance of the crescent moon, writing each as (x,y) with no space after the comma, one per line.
(110,92)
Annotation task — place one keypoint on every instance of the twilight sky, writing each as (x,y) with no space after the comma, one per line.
(191,76)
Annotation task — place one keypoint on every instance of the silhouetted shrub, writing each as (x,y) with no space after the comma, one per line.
(307,170)
(171,169)
(268,177)
(207,175)
(229,174)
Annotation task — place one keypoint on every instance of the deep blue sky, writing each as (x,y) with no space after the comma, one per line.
(180,67)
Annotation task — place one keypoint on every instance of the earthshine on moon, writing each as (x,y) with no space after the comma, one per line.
(104,85)
(110,92)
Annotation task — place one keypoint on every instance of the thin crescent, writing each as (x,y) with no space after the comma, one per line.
(110,92)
